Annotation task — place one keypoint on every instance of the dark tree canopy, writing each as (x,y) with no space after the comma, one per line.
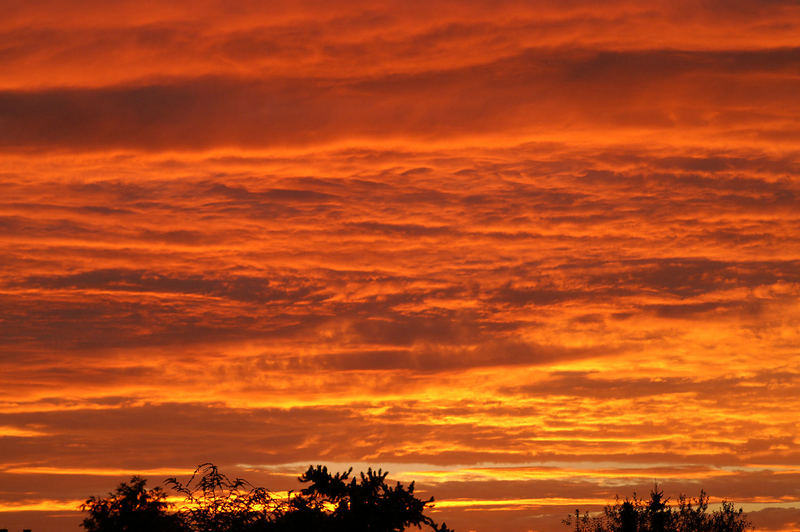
(130,508)
(212,502)
(365,503)
(657,515)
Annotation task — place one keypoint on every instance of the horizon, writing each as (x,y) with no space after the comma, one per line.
(529,255)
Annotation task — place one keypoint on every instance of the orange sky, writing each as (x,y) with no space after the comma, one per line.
(530,254)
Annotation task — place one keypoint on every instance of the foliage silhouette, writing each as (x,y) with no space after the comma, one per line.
(657,515)
(365,503)
(215,503)
(131,508)
(212,502)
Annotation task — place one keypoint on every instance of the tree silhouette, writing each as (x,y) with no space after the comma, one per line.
(215,503)
(212,502)
(343,503)
(657,515)
(130,508)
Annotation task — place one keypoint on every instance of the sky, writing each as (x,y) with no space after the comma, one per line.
(531,255)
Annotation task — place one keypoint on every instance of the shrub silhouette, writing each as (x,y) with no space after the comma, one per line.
(657,515)
(212,502)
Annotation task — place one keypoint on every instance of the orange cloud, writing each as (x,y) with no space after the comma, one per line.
(531,256)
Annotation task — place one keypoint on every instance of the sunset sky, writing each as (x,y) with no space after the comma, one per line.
(529,254)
